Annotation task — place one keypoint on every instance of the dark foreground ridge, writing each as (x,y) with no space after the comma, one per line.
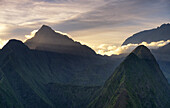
(137,82)
(44,79)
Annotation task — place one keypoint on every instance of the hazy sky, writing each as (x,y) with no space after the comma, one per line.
(94,22)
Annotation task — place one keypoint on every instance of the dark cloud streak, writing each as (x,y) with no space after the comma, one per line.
(118,12)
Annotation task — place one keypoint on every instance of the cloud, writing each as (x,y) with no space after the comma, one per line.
(102,16)
(116,13)
(31,34)
(23,12)
(105,49)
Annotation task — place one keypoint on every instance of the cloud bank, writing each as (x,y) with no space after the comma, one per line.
(109,50)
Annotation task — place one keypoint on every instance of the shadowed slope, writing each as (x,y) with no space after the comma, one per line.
(137,82)
(40,79)
(162,55)
(47,39)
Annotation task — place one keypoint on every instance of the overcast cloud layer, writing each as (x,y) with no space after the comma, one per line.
(93,22)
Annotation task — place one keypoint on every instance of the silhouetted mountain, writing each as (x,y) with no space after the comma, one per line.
(58,72)
(137,82)
(14,44)
(42,79)
(153,35)
(47,39)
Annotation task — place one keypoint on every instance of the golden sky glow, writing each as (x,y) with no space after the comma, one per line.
(92,22)
(2,29)
(109,49)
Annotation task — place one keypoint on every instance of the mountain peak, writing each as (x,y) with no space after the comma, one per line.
(47,39)
(136,82)
(143,52)
(45,29)
(14,44)
(46,26)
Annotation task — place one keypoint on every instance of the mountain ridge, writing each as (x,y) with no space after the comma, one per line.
(33,78)
(152,35)
(136,83)
(162,55)
(47,39)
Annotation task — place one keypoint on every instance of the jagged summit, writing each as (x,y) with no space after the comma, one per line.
(14,44)
(143,52)
(47,39)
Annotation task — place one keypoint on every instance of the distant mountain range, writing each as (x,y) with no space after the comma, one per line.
(38,78)
(51,70)
(153,35)
(47,39)
(137,82)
